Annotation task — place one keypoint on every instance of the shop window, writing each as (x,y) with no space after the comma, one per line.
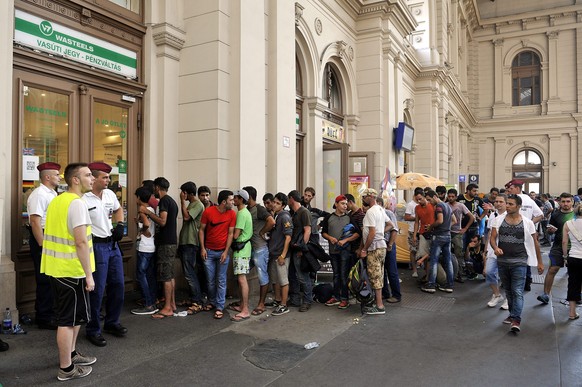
(45,138)
(525,73)
(110,146)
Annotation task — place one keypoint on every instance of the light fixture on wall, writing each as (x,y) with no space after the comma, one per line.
(554,163)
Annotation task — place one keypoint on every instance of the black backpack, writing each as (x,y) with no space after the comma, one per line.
(359,284)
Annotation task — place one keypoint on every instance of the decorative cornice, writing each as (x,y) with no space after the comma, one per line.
(298,13)
(169,35)
(553,34)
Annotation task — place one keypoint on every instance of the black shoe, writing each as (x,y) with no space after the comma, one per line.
(294,305)
(97,340)
(459,279)
(47,325)
(116,330)
(3,346)
(527,286)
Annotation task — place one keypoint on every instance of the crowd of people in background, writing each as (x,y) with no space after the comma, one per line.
(452,237)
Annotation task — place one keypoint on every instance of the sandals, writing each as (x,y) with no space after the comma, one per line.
(576,317)
(208,307)
(218,314)
(257,312)
(195,308)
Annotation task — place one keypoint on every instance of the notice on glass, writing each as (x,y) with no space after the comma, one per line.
(29,171)
(123,179)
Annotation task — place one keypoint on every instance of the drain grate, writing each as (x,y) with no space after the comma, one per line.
(538,279)
(430,303)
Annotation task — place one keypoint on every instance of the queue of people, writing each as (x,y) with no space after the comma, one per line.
(456,237)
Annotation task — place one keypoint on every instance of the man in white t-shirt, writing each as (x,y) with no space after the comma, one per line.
(36,206)
(374,247)
(103,208)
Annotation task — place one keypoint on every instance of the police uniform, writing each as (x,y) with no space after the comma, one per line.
(109,264)
(37,204)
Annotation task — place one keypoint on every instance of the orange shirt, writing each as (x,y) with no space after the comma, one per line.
(425,216)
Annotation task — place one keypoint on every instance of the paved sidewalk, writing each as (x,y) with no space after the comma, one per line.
(440,339)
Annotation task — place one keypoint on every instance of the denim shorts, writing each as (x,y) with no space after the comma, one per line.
(260,259)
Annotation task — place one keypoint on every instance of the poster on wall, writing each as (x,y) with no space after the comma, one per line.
(29,164)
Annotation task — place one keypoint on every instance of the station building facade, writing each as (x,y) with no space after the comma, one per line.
(283,95)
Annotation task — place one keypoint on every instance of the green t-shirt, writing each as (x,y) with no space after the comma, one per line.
(190,228)
(244,222)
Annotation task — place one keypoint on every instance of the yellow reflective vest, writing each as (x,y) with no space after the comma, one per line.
(59,254)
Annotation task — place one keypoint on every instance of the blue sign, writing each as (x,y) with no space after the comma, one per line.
(461,178)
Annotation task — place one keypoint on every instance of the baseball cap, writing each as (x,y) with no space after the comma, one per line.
(243,194)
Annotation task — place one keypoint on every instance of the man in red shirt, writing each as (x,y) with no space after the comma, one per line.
(424,218)
(216,234)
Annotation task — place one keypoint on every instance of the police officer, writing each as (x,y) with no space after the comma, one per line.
(103,209)
(37,204)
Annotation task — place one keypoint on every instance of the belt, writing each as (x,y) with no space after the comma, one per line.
(97,239)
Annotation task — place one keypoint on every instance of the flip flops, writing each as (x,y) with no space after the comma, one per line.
(239,318)
(257,312)
(195,308)
(576,317)
(218,314)
(161,316)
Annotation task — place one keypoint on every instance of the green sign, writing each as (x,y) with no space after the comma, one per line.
(122,165)
(47,36)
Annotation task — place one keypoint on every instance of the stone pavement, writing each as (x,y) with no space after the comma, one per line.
(441,339)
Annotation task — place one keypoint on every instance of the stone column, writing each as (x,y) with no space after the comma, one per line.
(314,147)
(573,162)
(501,103)
(554,151)
(281,171)
(7,274)
(501,170)
(554,103)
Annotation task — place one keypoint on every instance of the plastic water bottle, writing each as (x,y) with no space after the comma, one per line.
(7,322)
(311,345)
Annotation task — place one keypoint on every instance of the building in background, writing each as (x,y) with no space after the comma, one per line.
(284,94)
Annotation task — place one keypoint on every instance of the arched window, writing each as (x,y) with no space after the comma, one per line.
(332,93)
(525,74)
(527,166)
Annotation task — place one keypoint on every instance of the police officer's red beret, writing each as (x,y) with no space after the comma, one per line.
(100,166)
(47,166)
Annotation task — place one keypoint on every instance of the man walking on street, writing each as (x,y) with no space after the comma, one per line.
(68,260)
(104,209)
(514,242)
(37,204)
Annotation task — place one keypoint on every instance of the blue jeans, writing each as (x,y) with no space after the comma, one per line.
(108,272)
(391,277)
(513,280)
(260,259)
(216,274)
(44,296)
(304,280)
(146,276)
(491,272)
(188,255)
(440,244)
(340,263)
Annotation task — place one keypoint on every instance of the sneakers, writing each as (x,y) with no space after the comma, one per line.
(332,302)
(343,305)
(145,310)
(515,326)
(508,320)
(428,289)
(544,298)
(77,372)
(415,275)
(82,360)
(280,310)
(494,301)
(373,310)
(445,289)
(505,305)
(304,307)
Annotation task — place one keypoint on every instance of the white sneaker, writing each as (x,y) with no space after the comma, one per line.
(494,301)
(505,305)
(415,275)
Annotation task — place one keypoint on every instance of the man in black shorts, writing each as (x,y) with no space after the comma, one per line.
(67,258)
